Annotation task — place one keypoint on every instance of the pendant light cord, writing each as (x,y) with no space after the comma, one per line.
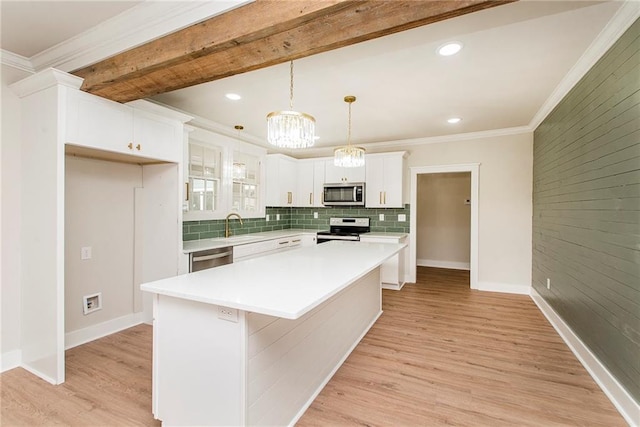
(349,130)
(291,86)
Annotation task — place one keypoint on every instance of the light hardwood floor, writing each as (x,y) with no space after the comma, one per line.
(440,354)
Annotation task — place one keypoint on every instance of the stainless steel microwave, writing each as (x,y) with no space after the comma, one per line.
(344,194)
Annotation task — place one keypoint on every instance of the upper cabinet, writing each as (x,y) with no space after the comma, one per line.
(385,179)
(222,175)
(310,182)
(335,174)
(281,178)
(124,129)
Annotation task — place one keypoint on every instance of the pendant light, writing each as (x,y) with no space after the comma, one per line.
(290,129)
(349,156)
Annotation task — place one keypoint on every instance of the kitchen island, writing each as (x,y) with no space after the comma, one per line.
(253,343)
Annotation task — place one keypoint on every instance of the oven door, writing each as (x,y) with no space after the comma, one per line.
(344,194)
(327,237)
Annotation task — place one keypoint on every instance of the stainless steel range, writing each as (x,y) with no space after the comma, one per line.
(344,229)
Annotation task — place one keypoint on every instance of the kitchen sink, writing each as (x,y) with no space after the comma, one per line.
(241,238)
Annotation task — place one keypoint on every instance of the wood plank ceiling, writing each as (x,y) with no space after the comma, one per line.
(258,35)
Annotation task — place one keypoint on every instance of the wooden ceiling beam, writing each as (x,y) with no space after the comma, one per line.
(258,35)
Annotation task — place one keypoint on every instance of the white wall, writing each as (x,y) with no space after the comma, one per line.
(443,232)
(99,213)
(505,206)
(10,223)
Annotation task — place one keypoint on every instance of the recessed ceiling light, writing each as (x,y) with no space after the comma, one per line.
(450,48)
(454,120)
(233,96)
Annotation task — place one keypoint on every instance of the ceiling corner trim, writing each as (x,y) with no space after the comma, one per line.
(126,30)
(450,138)
(621,21)
(16,61)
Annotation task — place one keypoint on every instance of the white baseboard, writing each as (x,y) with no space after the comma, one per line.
(507,288)
(454,265)
(392,286)
(10,359)
(85,335)
(621,399)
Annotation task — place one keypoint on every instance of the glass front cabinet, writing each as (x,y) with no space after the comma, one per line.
(222,175)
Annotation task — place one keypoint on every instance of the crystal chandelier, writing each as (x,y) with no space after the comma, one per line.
(290,129)
(349,156)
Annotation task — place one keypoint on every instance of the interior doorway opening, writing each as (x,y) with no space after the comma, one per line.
(473,202)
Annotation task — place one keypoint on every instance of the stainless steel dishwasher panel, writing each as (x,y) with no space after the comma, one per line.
(210,258)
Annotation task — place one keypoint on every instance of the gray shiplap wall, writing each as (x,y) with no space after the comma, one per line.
(586,208)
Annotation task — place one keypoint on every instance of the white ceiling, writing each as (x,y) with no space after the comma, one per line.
(513,59)
(30,27)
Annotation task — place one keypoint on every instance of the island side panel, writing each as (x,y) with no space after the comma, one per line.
(199,364)
(290,361)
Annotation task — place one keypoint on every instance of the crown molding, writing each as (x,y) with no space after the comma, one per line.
(44,80)
(16,61)
(621,21)
(146,21)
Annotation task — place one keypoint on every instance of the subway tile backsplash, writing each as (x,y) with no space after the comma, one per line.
(297,218)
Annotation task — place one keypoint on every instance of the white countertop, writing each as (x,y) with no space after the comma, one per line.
(385,235)
(240,239)
(286,284)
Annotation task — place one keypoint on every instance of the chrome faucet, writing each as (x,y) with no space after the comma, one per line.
(227,232)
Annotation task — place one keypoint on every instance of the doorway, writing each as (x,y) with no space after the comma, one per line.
(473,169)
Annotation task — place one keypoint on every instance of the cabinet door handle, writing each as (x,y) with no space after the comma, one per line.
(283,243)
(385,198)
(130,146)
(295,241)
(186,184)
(380,197)
(138,147)
(289,197)
(311,198)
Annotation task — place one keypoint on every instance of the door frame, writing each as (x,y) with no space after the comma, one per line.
(474,169)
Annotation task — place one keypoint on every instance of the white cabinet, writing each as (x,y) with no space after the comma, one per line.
(156,137)
(335,174)
(106,125)
(392,271)
(257,249)
(310,181)
(385,178)
(281,179)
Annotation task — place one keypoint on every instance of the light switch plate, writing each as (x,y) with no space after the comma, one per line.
(381,217)
(85,252)
(402,217)
(277,217)
(315,215)
(267,218)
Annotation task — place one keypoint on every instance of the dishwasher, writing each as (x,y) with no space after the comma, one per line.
(202,260)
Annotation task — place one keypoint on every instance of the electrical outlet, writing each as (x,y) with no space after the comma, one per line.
(402,217)
(381,217)
(91,303)
(315,215)
(85,252)
(226,313)
(548,283)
